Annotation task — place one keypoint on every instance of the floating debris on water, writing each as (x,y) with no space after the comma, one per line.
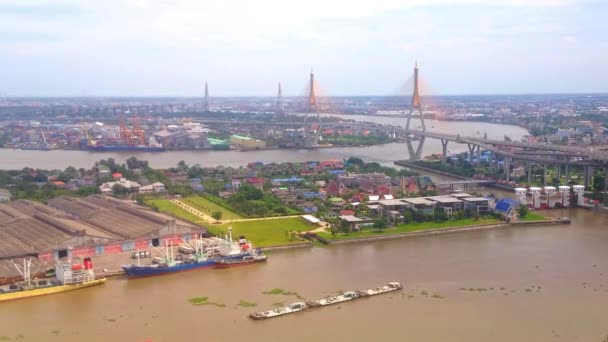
(204,301)
(247,304)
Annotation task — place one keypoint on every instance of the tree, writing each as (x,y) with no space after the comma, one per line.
(380,223)
(408,216)
(522,211)
(440,215)
(217,215)
(119,189)
(334,230)
(419,217)
(345,227)
(598,182)
(134,163)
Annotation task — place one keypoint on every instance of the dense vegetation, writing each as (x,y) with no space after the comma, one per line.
(253,202)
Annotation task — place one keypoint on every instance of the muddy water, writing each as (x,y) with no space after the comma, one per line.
(386,154)
(518,284)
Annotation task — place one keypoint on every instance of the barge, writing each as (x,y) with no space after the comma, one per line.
(341,298)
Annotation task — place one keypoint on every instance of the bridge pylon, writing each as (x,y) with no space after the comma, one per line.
(279,105)
(312,140)
(206,101)
(416,105)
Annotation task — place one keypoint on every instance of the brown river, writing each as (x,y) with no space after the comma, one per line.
(512,284)
(547,283)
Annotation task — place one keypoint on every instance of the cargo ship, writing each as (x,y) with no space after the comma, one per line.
(198,254)
(331,300)
(168,263)
(130,148)
(68,277)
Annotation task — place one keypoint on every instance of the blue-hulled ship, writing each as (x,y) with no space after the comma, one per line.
(200,253)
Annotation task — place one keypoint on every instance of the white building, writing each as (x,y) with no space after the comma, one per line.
(107,187)
(5,195)
(152,188)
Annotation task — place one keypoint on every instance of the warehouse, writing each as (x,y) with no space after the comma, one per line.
(94,225)
(246,143)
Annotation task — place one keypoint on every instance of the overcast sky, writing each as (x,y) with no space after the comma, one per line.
(244,47)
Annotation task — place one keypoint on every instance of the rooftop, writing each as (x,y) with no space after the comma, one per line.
(475,199)
(418,201)
(444,199)
(391,202)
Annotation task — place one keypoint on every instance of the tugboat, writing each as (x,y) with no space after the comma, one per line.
(68,277)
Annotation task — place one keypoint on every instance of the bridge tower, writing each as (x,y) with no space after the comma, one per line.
(206,101)
(416,105)
(279,108)
(311,107)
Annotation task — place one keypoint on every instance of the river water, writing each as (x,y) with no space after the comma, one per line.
(386,154)
(545,283)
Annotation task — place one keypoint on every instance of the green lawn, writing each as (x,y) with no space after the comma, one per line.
(265,233)
(208,207)
(532,216)
(165,206)
(411,227)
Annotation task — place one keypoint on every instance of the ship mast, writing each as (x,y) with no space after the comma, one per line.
(25,270)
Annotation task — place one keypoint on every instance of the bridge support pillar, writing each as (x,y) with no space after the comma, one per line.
(496,157)
(544,174)
(588,170)
(444,145)
(415,154)
(529,169)
(566,173)
(507,168)
(478,155)
(471,150)
(559,172)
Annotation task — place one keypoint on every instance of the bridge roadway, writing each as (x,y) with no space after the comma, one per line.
(561,154)
(581,155)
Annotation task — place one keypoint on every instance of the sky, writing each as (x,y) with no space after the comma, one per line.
(356,47)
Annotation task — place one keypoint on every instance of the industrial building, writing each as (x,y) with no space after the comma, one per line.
(246,143)
(94,225)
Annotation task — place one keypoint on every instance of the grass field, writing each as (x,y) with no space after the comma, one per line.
(265,232)
(208,207)
(411,227)
(532,216)
(165,206)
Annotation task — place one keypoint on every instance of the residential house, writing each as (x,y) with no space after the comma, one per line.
(107,187)
(5,195)
(156,187)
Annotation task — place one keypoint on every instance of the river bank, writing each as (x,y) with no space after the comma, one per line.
(453,284)
(431,232)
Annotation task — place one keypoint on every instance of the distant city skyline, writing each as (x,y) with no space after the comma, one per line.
(138,48)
